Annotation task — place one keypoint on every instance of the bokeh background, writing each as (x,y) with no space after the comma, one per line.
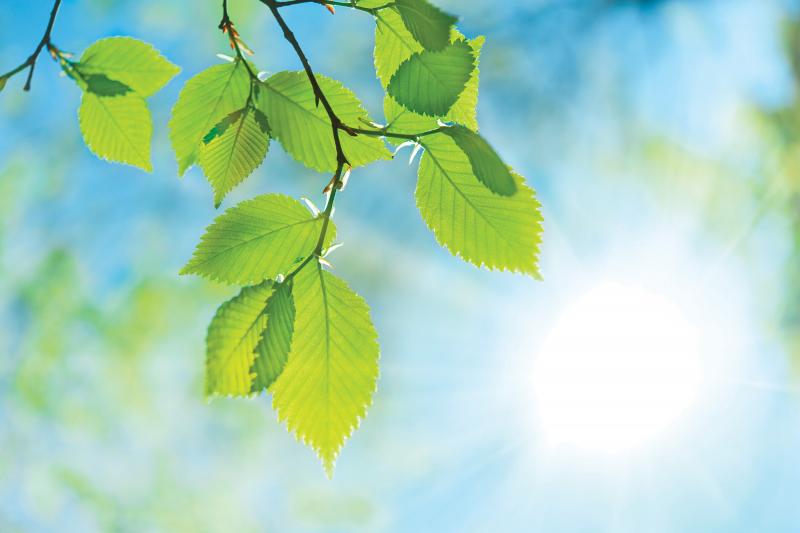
(663,138)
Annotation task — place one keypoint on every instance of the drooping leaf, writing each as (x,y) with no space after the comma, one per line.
(486,164)
(257,240)
(117,128)
(205,100)
(232,338)
(429,25)
(272,350)
(429,83)
(132,62)
(102,85)
(401,120)
(332,370)
(304,129)
(234,148)
(499,232)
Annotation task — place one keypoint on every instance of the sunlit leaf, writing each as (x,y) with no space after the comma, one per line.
(486,164)
(272,350)
(429,25)
(117,128)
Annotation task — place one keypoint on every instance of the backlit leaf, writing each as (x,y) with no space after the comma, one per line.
(429,25)
(486,164)
(272,350)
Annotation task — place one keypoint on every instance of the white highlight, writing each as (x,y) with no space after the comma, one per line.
(620,366)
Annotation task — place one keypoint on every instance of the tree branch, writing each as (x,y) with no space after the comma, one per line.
(31,61)
(351,4)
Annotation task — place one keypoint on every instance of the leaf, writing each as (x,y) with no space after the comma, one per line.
(303,128)
(428,24)
(486,164)
(257,240)
(102,85)
(132,62)
(332,370)
(233,149)
(3,81)
(117,128)
(232,337)
(272,350)
(401,120)
(429,83)
(205,100)
(499,232)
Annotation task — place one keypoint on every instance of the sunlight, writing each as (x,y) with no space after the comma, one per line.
(619,366)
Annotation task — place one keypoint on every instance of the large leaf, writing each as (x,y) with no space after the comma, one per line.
(205,100)
(130,61)
(500,232)
(429,83)
(257,240)
(303,127)
(233,149)
(332,371)
(117,128)
(428,24)
(232,337)
(486,164)
(272,350)
(401,120)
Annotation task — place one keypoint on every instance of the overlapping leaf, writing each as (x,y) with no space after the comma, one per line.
(272,350)
(499,232)
(257,240)
(429,25)
(332,370)
(204,101)
(304,129)
(486,164)
(134,63)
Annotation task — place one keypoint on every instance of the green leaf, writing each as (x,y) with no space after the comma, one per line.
(205,100)
(102,85)
(486,164)
(132,62)
(272,350)
(232,337)
(257,240)
(117,128)
(303,128)
(499,232)
(429,83)
(401,120)
(428,24)
(332,371)
(233,149)
(3,81)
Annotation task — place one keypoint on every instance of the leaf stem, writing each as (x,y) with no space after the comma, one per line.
(31,61)
(226,25)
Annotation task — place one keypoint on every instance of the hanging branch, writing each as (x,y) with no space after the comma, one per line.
(30,63)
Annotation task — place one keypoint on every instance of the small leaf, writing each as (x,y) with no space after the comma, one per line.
(204,101)
(499,232)
(257,240)
(233,149)
(332,370)
(272,350)
(3,82)
(428,24)
(429,83)
(486,164)
(117,128)
(304,129)
(134,63)
(232,337)
(102,85)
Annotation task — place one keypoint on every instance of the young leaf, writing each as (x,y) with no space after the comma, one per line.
(332,370)
(429,83)
(401,120)
(428,24)
(233,149)
(273,347)
(205,100)
(486,164)
(500,232)
(117,128)
(257,240)
(132,62)
(232,337)
(304,129)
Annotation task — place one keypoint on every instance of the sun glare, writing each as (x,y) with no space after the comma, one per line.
(620,365)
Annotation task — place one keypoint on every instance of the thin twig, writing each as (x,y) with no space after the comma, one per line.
(31,61)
